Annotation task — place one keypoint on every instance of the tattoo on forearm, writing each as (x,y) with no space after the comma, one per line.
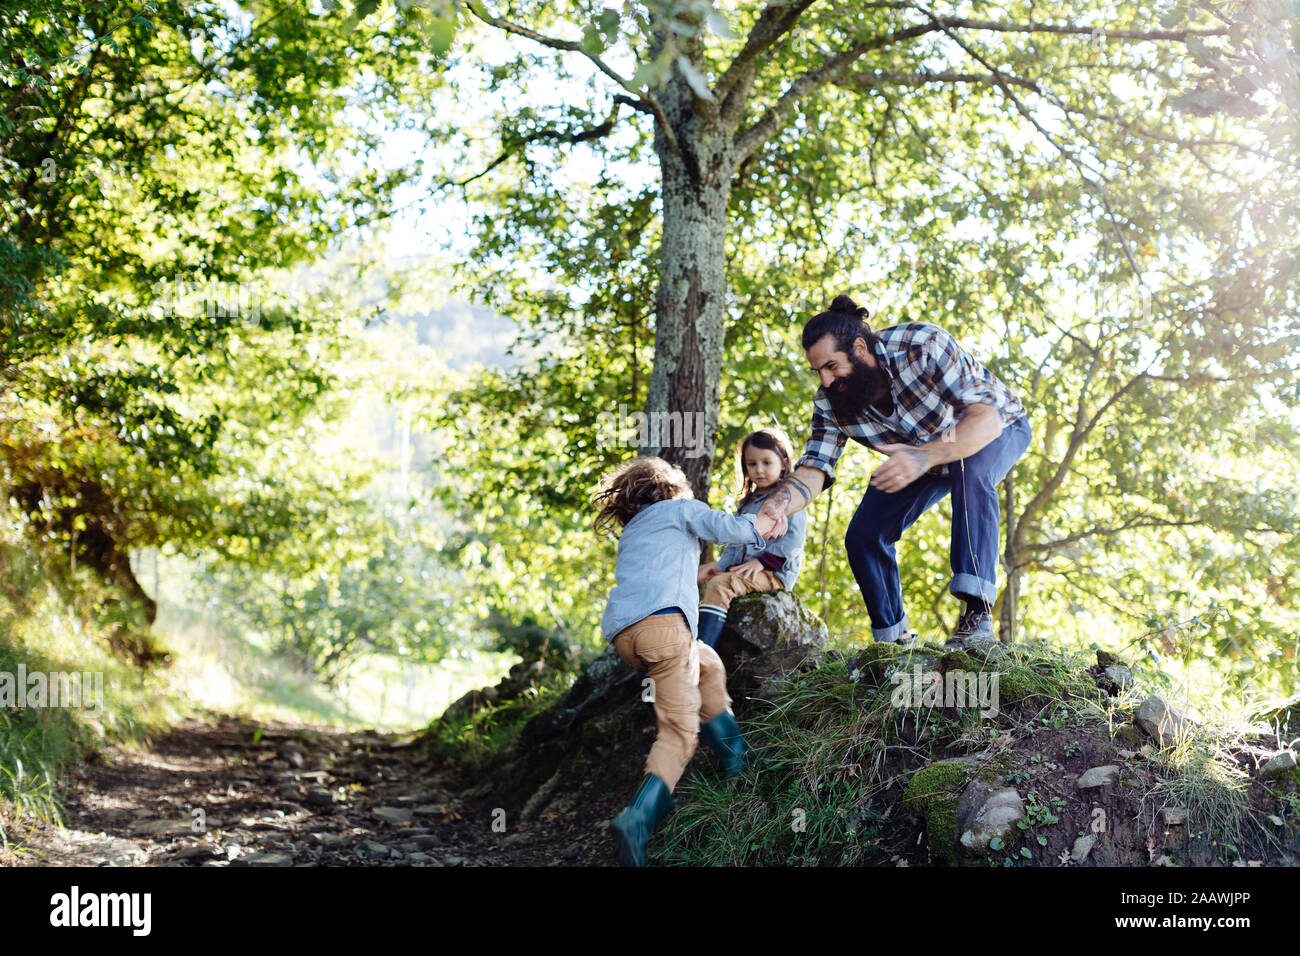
(800,486)
(780,497)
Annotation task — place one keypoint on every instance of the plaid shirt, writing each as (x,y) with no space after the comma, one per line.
(931,378)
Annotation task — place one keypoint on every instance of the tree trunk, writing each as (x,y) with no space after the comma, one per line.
(1010,558)
(690,315)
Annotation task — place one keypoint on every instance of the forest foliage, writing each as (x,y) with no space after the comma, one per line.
(1098,198)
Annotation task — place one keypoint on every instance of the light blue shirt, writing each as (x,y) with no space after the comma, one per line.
(659,557)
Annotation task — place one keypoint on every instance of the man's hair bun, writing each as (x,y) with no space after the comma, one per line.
(844,304)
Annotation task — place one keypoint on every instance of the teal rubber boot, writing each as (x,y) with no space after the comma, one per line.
(722,734)
(632,827)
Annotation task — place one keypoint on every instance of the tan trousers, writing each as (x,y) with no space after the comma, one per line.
(721,588)
(690,686)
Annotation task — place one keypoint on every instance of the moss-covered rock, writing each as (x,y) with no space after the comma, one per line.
(959,661)
(933,794)
(1018,682)
(875,659)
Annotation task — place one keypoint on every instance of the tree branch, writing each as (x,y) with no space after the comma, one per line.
(652,105)
(555,135)
(774,22)
(959,23)
(814,79)
(864,82)
(1135,521)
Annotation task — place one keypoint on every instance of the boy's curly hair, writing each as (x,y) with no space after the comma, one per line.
(770,439)
(633,485)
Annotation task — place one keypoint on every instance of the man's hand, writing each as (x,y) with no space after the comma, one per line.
(771,521)
(749,570)
(906,463)
(706,571)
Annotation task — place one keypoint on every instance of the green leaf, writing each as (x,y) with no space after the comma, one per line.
(996,843)
(440,32)
(592,42)
(1024,851)
(1042,840)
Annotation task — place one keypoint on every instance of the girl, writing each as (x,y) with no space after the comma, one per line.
(650,619)
(765,457)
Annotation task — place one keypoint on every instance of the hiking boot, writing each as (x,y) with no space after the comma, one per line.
(722,734)
(632,827)
(910,639)
(974,632)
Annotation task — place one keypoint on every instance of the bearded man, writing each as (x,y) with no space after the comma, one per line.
(948,426)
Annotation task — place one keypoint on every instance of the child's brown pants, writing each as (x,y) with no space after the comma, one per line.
(721,588)
(689,686)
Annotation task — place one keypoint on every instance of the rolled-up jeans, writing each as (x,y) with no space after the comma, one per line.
(882,517)
(690,686)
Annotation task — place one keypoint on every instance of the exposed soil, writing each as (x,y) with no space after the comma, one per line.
(231,792)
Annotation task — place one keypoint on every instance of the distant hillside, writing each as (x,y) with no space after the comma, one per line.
(464,334)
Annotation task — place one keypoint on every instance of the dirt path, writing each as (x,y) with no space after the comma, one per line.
(231,792)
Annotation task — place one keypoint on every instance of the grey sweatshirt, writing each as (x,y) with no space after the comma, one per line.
(659,556)
(783,557)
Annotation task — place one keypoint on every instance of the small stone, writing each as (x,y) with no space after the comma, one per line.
(422,858)
(1161,722)
(201,851)
(395,816)
(1082,847)
(430,809)
(1120,675)
(454,861)
(271,858)
(374,851)
(327,840)
(987,813)
(161,827)
(1098,777)
(426,841)
(1173,816)
(318,796)
(1279,766)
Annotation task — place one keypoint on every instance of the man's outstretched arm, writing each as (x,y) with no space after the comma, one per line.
(978,426)
(795,492)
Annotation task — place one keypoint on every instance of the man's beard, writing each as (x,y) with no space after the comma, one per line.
(851,395)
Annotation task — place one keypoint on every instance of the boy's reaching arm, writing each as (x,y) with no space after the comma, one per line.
(722,528)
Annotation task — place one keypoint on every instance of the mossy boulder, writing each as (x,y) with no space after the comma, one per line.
(960,661)
(933,795)
(769,635)
(875,659)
